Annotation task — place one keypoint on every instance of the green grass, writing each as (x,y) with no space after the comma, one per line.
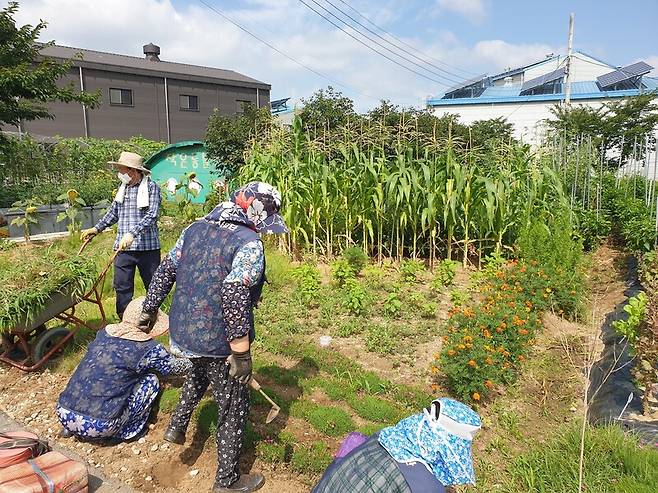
(614,463)
(313,458)
(375,408)
(169,399)
(332,421)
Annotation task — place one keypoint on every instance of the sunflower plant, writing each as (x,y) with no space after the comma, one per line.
(30,214)
(73,205)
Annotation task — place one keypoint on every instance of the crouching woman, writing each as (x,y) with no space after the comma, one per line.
(112,391)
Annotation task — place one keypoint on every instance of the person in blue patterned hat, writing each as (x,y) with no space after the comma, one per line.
(218,266)
(424,452)
(113,390)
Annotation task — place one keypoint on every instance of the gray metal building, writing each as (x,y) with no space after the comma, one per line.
(146,96)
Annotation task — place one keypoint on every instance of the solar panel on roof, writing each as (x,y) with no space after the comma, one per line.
(623,74)
(467,83)
(543,79)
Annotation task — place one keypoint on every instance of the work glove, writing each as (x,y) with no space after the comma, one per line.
(240,366)
(88,233)
(146,321)
(126,241)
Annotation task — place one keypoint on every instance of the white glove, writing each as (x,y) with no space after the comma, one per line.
(126,241)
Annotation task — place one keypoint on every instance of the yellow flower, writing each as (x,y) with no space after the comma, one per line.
(31,210)
(476,396)
(72,194)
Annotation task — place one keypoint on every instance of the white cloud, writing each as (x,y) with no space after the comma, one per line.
(194,34)
(498,54)
(473,10)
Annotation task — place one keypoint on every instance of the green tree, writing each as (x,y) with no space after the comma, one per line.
(327,108)
(228,137)
(29,81)
(484,133)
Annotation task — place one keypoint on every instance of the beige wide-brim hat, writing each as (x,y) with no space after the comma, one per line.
(131,160)
(128,327)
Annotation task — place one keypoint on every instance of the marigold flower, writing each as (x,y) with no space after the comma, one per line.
(434,387)
(468,338)
(461,346)
(523,332)
(489,384)
(487,334)
(451,352)
(476,396)
(506,364)
(472,363)
(489,361)
(434,370)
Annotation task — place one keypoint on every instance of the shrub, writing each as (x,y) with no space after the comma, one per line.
(635,308)
(356,258)
(355,297)
(380,340)
(392,305)
(458,297)
(444,275)
(308,283)
(409,270)
(593,227)
(428,310)
(341,271)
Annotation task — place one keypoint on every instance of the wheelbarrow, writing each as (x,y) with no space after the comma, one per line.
(30,344)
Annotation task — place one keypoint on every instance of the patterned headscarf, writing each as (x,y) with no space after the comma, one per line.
(256,205)
(440,438)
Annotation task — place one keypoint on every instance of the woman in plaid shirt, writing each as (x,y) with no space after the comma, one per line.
(135,208)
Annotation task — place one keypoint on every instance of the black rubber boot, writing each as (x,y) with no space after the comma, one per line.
(245,484)
(172,435)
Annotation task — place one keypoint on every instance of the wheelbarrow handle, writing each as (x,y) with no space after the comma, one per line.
(84,245)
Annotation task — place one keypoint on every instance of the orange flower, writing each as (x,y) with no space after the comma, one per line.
(445,339)
(503,325)
(489,384)
(523,332)
(468,339)
(489,361)
(451,352)
(487,334)
(506,364)
(434,387)
(472,363)
(434,370)
(499,329)
(461,346)
(476,396)
(506,353)
(521,357)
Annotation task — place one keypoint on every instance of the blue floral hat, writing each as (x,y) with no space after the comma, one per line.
(256,205)
(440,438)
(261,202)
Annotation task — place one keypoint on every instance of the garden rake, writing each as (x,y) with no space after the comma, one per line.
(274,412)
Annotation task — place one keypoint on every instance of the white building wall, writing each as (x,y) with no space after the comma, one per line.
(526,117)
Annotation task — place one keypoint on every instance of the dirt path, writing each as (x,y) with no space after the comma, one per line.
(150,464)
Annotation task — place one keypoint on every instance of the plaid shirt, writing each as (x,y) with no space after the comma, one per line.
(142,223)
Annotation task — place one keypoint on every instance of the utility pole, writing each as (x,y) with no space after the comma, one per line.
(567,92)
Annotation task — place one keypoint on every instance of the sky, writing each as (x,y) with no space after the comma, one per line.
(443,41)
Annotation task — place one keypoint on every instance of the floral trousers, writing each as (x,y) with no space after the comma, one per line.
(232,400)
(128,425)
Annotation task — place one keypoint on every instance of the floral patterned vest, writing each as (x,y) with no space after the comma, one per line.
(104,379)
(196,321)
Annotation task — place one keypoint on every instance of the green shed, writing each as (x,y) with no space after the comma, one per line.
(175,160)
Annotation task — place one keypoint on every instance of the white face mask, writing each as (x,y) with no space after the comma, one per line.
(124,177)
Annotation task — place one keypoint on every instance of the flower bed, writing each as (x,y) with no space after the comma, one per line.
(30,275)
(486,343)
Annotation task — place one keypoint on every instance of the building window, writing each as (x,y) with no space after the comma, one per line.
(242,104)
(188,103)
(121,97)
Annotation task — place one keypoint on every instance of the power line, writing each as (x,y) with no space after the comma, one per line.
(367,45)
(468,72)
(398,47)
(274,48)
(424,62)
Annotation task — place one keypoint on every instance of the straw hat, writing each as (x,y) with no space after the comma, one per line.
(131,160)
(128,329)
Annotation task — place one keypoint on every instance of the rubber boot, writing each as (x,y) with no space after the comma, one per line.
(246,483)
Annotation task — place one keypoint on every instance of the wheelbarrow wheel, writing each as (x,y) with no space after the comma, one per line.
(48,340)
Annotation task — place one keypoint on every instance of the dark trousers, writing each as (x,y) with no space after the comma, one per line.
(124,274)
(232,400)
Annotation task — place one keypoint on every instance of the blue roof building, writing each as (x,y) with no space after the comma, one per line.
(525,95)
